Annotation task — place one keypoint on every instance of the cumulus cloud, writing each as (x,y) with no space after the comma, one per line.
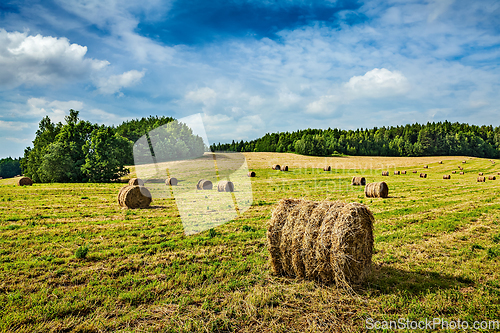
(114,83)
(378,83)
(41,60)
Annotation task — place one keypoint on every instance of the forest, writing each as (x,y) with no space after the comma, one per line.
(441,139)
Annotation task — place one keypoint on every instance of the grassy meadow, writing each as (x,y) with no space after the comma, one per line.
(71,260)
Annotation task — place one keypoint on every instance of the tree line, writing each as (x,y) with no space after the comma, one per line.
(10,167)
(441,138)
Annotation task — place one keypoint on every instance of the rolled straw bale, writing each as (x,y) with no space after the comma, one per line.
(414,171)
(453,171)
(251,174)
(396,172)
(134,196)
(498,173)
(440,162)
(276,167)
(327,168)
(464,162)
(204,184)
(284,168)
(225,186)
(461,168)
(403,172)
(481,179)
(423,175)
(385,173)
(136,181)
(462,173)
(492,178)
(447,177)
(358,181)
(329,241)
(480,174)
(426,167)
(24,181)
(377,190)
(171,181)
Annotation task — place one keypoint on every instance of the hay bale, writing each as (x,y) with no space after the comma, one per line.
(1,178)
(453,171)
(423,175)
(204,184)
(426,167)
(327,168)
(481,179)
(462,173)
(225,186)
(440,162)
(464,162)
(377,190)
(414,171)
(171,181)
(329,241)
(480,174)
(385,173)
(135,181)
(251,174)
(403,172)
(24,181)
(447,177)
(461,168)
(284,168)
(134,196)
(498,173)
(492,178)
(396,172)
(358,181)
(276,167)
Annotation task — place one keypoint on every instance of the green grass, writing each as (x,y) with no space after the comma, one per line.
(72,260)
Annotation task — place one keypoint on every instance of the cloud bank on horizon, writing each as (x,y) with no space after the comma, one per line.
(251,66)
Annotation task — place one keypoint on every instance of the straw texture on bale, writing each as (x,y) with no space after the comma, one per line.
(396,172)
(284,168)
(492,178)
(134,196)
(328,241)
(327,168)
(481,179)
(251,174)
(24,181)
(136,181)
(377,190)
(171,181)
(385,173)
(453,171)
(462,173)
(276,167)
(480,174)
(225,186)
(423,175)
(447,177)
(358,181)
(403,172)
(204,184)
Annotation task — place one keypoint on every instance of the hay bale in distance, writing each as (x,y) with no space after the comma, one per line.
(284,168)
(134,196)
(225,186)
(403,172)
(276,167)
(358,181)
(440,162)
(464,162)
(481,179)
(498,173)
(385,173)
(396,172)
(492,178)
(171,181)
(426,167)
(377,190)
(462,173)
(24,181)
(453,171)
(204,184)
(327,168)
(447,177)
(480,174)
(251,174)
(136,181)
(414,171)
(423,175)
(461,168)
(329,241)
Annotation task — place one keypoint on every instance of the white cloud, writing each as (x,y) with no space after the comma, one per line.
(13,125)
(378,83)
(114,83)
(204,95)
(41,60)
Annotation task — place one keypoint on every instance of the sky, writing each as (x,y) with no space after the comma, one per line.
(251,67)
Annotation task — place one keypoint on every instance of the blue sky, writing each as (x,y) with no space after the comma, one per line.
(251,67)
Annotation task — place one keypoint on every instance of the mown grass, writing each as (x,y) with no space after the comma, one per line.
(437,254)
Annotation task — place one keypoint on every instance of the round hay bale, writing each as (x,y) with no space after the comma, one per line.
(498,173)
(134,196)
(414,171)
(328,241)
(461,168)
(358,181)
(171,181)
(225,186)
(447,177)
(423,175)
(396,172)
(426,167)
(440,162)
(204,184)
(385,173)
(251,174)
(24,181)
(136,181)
(464,162)
(403,172)
(453,171)
(276,167)
(492,178)
(377,190)
(480,174)
(327,168)
(481,179)
(284,168)
(462,173)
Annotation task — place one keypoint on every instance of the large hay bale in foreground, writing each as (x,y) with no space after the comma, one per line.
(328,241)
(204,184)
(276,167)
(136,181)
(385,173)
(423,175)
(284,168)
(377,190)
(480,174)
(481,179)
(134,196)
(358,181)
(251,174)
(492,178)
(396,172)
(24,181)
(225,186)
(327,168)
(447,177)
(171,181)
